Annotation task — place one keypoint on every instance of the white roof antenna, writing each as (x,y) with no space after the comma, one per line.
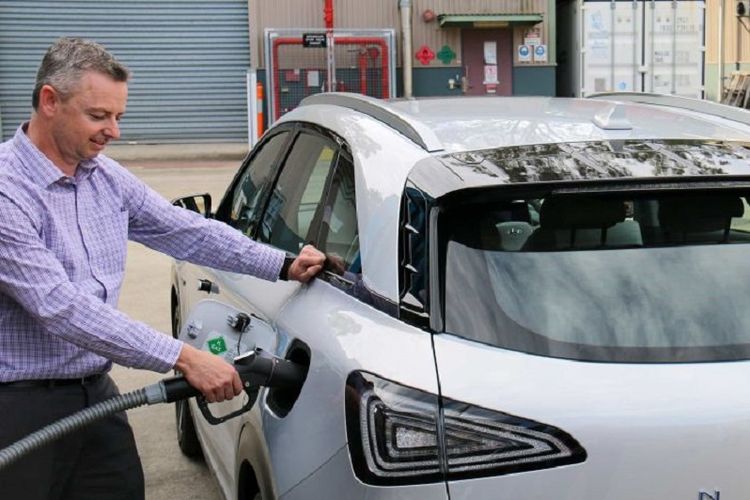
(613,118)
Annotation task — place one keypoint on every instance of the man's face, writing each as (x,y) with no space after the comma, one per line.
(88,118)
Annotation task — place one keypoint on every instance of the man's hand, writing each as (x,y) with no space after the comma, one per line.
(216,379)
(308,263)
(335,264)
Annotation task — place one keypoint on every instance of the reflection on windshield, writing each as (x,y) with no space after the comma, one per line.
(674,298)
(603,159)
(629,276)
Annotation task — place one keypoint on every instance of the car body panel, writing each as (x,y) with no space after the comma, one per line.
(649,430)
(252,296)
(329,482)
(344,331)
(344,335)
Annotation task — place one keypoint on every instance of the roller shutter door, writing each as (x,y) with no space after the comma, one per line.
(188,58)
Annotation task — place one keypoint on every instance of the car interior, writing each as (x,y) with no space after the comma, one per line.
(580,222)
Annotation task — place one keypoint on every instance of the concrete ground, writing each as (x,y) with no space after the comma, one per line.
(145,297)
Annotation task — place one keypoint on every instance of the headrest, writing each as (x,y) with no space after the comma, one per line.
(575,212)
(699,213)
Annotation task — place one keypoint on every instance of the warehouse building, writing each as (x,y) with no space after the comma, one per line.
(191,59)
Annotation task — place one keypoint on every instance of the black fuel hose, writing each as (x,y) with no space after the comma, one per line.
(55,430)
(255,368)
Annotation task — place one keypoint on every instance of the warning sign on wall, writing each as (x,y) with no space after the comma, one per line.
(540,53)
(524,53)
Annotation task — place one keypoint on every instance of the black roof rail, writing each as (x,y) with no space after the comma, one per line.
(416,131)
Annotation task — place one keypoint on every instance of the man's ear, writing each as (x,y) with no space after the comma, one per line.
(49,100)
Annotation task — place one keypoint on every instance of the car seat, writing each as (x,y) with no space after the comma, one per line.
(568,223)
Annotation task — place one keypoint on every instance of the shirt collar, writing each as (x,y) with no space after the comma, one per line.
(42,171)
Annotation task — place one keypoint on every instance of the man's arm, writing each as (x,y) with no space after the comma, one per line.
(186,235)
(34,278)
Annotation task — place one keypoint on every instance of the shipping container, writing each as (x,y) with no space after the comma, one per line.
(631,46)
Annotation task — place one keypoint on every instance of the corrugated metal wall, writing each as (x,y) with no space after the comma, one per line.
(188,57)
(384,14)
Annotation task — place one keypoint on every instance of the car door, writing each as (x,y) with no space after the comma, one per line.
(335,325)
(240,208)
(290,198)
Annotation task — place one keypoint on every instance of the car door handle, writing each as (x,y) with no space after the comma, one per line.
(207,286)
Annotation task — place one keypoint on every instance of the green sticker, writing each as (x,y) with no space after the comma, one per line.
(446,55)
(217,345)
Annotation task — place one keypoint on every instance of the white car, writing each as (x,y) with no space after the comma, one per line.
(526,298)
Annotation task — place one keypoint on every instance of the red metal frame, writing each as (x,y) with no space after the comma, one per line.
(385,80)
(328,14)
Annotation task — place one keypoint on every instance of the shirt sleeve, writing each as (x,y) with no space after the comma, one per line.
(186,235)
(33,276)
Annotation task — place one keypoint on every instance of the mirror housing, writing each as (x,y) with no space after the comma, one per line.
(199,203)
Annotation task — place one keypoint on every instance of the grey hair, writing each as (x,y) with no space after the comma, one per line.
(68,59)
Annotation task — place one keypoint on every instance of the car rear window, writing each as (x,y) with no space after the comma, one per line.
(633,276)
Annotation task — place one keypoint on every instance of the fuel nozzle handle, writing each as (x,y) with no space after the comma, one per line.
(255,368)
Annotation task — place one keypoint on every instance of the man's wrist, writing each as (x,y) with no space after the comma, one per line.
(284,273)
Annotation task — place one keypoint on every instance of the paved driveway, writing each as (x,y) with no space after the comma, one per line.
(145,297)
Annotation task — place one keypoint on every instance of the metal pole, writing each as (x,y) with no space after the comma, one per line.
(251,80)
(330,46)
(674,47)
(405,9)
(637,63)
(720,83)
(612,41)
(581,90)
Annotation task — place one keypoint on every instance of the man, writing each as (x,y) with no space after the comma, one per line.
(67,212)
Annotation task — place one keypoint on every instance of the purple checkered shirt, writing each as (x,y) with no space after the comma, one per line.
(63,242)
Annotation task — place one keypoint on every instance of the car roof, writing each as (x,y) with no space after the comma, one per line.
(455,124)
(388,138)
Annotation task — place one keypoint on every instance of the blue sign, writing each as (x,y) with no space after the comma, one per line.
(540,50)
(523,51)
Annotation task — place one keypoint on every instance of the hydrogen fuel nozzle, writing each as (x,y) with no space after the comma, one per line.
(256,369)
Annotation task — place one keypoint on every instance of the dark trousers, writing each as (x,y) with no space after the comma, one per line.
(99,461)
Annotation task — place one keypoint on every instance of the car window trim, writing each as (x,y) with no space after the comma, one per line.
(328,198)
(313,232)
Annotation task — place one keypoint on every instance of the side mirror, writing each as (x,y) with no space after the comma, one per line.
(200,203)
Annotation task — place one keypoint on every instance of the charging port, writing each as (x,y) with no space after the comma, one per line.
(281,400)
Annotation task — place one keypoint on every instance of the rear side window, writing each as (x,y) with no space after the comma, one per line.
(297,195)
(632,277)
(339,237)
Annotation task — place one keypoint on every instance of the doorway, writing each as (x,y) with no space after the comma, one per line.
(487,56)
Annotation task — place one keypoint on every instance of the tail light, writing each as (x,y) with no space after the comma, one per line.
(400,435)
